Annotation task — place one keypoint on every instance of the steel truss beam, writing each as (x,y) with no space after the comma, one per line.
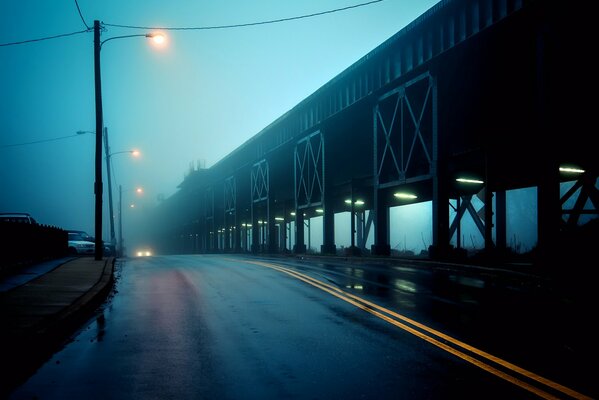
(400,124)
(309,171)
(588,191)
(260,184)
(477,216)
(260,181)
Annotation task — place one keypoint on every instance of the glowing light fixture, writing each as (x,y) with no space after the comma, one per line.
(292,214)
(319,210)
(279,219)
(357,202)
(405,196)
(468,180)
(571,170)
(158,38)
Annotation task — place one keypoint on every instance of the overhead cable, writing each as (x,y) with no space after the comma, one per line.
(44,38)
(272,21)
(81,15)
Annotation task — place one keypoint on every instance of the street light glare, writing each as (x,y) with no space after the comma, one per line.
(158,38)
(135,153)
(139,190)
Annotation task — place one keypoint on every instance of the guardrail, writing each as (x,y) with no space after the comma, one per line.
(26,244)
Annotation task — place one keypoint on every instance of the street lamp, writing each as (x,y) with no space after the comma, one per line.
(121,246)
(157,38)
(134,153)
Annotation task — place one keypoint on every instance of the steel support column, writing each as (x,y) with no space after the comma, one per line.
(300,246)
(260,185)
(500,220)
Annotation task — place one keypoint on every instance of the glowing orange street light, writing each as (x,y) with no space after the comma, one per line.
(121,246)
(158,38)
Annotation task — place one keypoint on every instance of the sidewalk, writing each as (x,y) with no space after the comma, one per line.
(38,316)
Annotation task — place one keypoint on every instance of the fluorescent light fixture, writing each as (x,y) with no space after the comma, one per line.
(403,195)
(279,219)
(571,170)
(319,210)
(292,214)
(357,202)
(468,180)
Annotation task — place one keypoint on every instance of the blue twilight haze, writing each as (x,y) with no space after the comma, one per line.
(193,100)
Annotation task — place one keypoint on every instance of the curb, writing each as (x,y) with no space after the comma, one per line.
(23,355)
(70,317)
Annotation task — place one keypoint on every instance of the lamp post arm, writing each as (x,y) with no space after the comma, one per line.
(125,36)
(120,152)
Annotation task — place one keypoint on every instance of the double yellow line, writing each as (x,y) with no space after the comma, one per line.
(434,337)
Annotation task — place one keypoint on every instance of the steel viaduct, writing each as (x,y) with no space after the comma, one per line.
(498,92)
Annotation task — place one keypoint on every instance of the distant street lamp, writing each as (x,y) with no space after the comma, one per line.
(157,38)
(121,246)
(134,153)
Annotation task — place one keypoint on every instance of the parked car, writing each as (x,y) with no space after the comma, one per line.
(80,245)
(108,249)
(83,234)
(24,218)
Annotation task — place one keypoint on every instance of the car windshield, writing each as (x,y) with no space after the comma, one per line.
(15,218)
(78,237)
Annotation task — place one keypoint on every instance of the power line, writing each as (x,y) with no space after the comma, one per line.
(44,38)
(38,141)
(272,21)
(81,15)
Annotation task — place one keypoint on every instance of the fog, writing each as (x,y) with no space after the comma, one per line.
(192,101)
(186,103)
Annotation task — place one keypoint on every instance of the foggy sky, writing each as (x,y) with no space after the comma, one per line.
(195,100)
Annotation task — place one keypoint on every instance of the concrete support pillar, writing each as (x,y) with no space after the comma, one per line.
(271,240)
(489,244)
(328,230)
(381,226)
(441,246)
(300,246)
(237,236)
(255,246)
(500,220)
(549,213)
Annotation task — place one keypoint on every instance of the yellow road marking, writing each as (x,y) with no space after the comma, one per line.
(372,309)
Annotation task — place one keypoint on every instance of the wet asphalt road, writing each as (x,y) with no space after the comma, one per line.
(218,327)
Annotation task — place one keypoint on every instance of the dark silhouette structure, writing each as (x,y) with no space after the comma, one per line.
(494,91)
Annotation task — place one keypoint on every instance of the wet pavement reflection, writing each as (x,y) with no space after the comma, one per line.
(519,316)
